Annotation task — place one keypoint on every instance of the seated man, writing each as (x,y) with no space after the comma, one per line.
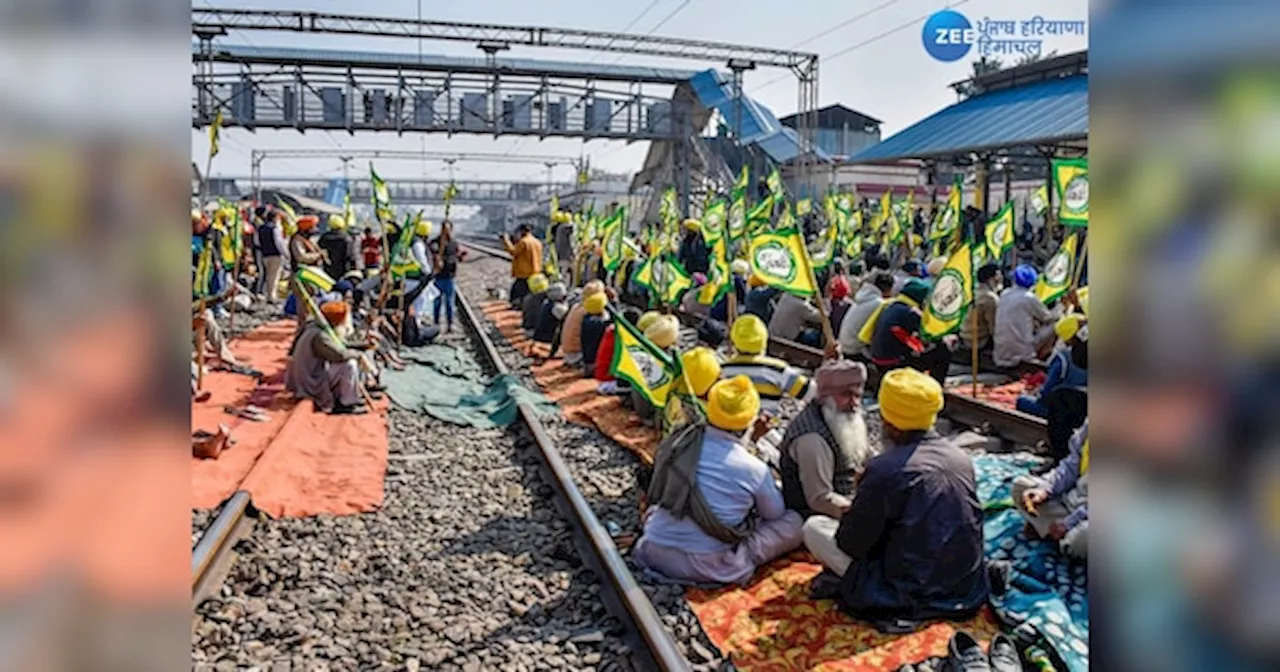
(893,334)
(699,371)
(571,339)
(986,296)
(712,334)
(773,378)
(795,319)
(1023,326)
(826,446)
(1056,506)
(909,549)
(325,369)
(877,289)
(716,513)
(759,300)
(531,305)
(550,314)
(593,326)
(1063,374)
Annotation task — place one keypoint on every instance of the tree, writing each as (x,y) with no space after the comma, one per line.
(983,66)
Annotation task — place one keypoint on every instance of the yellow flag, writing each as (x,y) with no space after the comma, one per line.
(642,364)
(215,134)
(949,299)
(1040,199)
(1071,182)
(1057,276)
(999,232)
(780,258)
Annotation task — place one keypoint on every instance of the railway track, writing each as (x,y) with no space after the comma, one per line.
(406,587)
(1008,424)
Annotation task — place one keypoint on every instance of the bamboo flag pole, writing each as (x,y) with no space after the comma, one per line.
(1084,253)
(827,333)
(974,346)
(320,319)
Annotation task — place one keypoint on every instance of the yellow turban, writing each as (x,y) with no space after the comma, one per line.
(701,370)
(732,404)
(909,400)
(594,304)
(1067,327)
(749,335)
(538,283)
(337,223)
(1082,298)
(664,331)
(593,287)
(423,229)
(692,225)
(646,320)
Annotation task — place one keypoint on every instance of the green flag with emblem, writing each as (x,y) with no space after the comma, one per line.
(613,232)
(999,232)
(950,297)
(713,221)
(1057,276)
(822,251)
(651,372)
(779,258)
(381,197)
(1071,183)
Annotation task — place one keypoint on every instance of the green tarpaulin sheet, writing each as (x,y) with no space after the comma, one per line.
(448,384)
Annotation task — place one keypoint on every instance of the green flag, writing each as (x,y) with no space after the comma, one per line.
(613,232)
(1071,183)
(950,297)
(779,258)
(381,198)
(1057,276)
(713,221)
(649,370)
(999,232)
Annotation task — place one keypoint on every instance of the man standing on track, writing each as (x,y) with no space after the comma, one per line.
(526,261)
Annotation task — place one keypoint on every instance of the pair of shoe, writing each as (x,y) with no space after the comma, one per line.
(966,654)
(358,409)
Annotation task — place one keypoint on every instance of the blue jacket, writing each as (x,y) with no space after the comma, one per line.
(885,343)
(759,303)
(1062,373)
(914,532)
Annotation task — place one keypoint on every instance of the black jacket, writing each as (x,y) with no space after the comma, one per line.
(914,532)
(693,253)
(342,253)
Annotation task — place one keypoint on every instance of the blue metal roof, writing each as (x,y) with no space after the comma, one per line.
(385,59)
(1041,113)
(759,125)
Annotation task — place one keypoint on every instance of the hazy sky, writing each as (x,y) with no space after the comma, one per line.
(884,71)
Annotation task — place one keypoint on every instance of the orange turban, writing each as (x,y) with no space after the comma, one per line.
(335,312)
(308,223)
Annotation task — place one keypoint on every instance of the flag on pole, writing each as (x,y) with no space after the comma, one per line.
(803,207)
(719,279)
(672,279)
(761,216)
(950,297)
(290,219)
(203,279)
(999,232)
(884,214)
(215,134)
(737,227)
(381,198)
(612,232)
(312,276)
(774,181)
(649,370)
(1071,183)
(713,219)
(347,213)
(1040,199)
(402,262)
(740,185)
(779,258)
(853,248)
(944,223)
(822,251)
(1057,276)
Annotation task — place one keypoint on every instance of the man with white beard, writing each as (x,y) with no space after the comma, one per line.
(826,445)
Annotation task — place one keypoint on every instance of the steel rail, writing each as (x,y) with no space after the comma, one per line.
(1006,423)
(213,553)
(623,596)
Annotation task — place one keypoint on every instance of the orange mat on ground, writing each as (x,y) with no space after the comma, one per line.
(299,462)
(579,403)
(771,624)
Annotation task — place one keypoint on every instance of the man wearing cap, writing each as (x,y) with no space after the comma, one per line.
(893,334)
(693,253)
(773,378)
(550,313)
(826,445)
(717,514)
(571,332)
(909,549)
(323,368)
(340,248)
(1062,373)
(531,304)
(1024,326)
(526,261)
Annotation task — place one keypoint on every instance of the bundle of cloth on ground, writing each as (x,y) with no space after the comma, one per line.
(446,384)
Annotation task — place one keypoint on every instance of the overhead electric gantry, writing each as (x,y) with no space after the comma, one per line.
(265,87)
